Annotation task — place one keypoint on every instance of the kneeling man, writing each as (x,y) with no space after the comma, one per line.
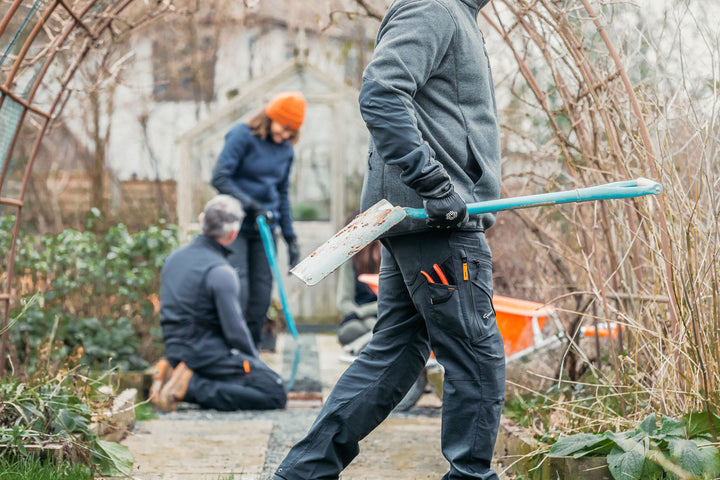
(210,357)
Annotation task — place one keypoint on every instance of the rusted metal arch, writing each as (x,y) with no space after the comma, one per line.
(81,24)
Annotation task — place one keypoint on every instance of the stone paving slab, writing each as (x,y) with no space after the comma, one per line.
(172,448)
(400,448)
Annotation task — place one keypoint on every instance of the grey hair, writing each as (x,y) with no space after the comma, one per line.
(222,215)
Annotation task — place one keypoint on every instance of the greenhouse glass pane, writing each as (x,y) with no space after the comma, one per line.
(10,113)
(19,32)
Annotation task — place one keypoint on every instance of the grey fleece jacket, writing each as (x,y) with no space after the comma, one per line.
(428,101)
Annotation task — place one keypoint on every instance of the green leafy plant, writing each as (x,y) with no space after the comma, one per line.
(96,290)
(524,410)
(582,406)
(57,407)
(672,449)
(58,412)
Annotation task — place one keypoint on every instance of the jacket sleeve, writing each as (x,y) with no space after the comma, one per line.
(286,224)
(411,43)
(229,161)
(224,284)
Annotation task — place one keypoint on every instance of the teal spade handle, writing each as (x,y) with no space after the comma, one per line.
(624,189)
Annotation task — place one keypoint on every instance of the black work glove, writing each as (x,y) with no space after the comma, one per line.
(254,209)
(293,252)
(448,211)
(444,207)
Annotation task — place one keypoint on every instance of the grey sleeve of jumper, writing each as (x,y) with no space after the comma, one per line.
(224,284)
(410,44)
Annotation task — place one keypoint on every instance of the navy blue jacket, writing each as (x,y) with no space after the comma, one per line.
(250,168)
(199,306)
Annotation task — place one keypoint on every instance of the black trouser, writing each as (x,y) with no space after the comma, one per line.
(457,321)
(249,260)
(224,384)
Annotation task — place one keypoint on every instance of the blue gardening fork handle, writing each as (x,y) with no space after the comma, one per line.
(269,245)
(624,189)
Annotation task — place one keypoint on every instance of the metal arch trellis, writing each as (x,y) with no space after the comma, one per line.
(78,27)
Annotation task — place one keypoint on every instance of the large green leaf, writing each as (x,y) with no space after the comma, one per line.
(697,458)
(65,422)
(711,459)
(672,427)
(581,444)
(626,465)
(630,461)
(113,458)
(648,425)
(701,423)
(624,440)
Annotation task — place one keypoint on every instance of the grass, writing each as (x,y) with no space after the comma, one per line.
(36,469)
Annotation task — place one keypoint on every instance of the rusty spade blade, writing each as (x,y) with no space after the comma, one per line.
(365,228)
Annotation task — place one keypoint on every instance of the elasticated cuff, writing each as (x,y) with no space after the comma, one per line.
(434,186)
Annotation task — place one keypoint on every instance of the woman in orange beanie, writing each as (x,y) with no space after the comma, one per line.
(254,167)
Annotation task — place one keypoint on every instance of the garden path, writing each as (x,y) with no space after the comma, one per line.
(209,445)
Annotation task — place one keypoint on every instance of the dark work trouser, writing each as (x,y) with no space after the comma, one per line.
(457,322)
(224,384)
(249,260)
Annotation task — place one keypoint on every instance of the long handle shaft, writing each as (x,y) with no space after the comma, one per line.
(269,245)
(625,189)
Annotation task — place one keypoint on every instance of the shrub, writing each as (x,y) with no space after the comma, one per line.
(97,290)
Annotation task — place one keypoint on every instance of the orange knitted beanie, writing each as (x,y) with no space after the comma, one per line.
(288,109)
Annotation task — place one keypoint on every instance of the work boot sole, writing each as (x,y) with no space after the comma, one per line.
(175,389)
(161,374)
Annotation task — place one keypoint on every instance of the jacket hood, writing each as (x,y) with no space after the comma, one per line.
(476,4)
